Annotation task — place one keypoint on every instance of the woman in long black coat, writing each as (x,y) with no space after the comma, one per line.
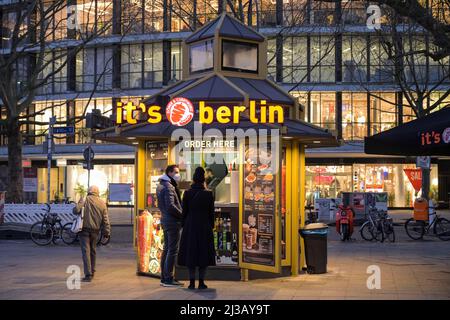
(197,239)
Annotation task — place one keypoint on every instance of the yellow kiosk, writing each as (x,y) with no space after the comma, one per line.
(227,116)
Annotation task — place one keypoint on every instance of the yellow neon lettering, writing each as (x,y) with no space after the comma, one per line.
(236,113)
(263,111)
(154,114)
(223,114)
(279,111)
(119,113)
(253,118)
(203,109)
(129,108)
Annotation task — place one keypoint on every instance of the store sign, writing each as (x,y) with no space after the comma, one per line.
(423,162)
(180,111)
(30,181)
(415,177)
(434,137)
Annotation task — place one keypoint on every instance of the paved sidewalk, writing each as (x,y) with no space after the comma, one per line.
(409,270)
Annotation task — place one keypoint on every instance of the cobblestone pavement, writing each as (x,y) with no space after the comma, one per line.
(409,270)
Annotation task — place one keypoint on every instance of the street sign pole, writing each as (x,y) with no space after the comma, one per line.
(49,154)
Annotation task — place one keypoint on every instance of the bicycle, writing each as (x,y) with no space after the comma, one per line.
(416,229)
(378,226)
(73,237)
(48,230)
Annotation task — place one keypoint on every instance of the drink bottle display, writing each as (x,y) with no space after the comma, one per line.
(234,252)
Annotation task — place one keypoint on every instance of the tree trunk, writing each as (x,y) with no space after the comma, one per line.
(15,184)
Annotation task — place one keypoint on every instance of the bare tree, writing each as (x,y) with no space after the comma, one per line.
(25,68)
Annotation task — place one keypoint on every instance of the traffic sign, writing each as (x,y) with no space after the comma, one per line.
(88,154)
(88,165)
(423,162)
(64,130)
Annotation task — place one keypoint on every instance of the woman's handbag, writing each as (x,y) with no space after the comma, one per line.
(77,224)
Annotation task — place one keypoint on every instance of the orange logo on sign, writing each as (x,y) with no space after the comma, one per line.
(180,111)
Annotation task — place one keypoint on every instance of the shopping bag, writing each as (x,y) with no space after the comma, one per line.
(77,224)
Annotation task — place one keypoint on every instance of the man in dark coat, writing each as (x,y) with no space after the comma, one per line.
(169,203)
(197,239)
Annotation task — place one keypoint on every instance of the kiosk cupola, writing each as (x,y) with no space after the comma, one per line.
(225,46)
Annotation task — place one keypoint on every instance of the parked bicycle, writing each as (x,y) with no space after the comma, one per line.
(379,226)
(48,230)
(71,237)
(416,229)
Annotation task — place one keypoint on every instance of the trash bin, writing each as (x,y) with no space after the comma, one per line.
(315,236)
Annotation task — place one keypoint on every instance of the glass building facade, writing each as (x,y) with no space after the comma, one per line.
(343,80)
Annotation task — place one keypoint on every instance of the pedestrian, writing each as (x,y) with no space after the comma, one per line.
(95,217)
(197,239)
(169,203)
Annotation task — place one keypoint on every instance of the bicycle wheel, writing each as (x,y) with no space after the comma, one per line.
(442,229)
(366,231)
(68,237)
(41,233)
(415,229)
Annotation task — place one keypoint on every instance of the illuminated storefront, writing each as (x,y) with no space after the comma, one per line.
(259,187)
(329,181)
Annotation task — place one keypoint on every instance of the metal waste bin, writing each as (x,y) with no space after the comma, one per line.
(315,236)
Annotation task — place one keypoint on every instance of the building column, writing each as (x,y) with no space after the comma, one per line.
(279,58)
(167,61)
(279,12)
(117,15)
(339,114)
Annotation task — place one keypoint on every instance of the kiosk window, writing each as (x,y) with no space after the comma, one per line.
(201,56)
(238,56)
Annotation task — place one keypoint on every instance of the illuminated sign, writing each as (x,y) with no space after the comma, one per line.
(180,111)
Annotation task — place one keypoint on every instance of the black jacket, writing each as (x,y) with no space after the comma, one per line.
(197,239)
(168,202)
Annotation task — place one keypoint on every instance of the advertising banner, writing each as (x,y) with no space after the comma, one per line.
(415,177)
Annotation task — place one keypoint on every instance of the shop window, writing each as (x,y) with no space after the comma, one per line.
(94,17)
(94,69)
(132,13)
(323,110)
(153,16)
(408,112)
(354,12)
(295,12)
(381,68)
(295,67)
(383,112)
(153,65)
(43,112)
(354,59)
(414,64)
(102,175)
(354,116)
(82,107)
(54,22)
(201,56)
(237,56)
(440,100)
(8,23)
(176,62)
(182,16)
(54,73)
(322,13)
(327,182)
(206,10)
(131,66)
(322,67)
(272,58)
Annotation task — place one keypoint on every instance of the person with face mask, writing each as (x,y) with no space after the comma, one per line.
(169,203)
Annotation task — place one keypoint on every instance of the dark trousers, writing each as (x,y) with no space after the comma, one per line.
(88,242)
(170,251)
(201,273)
